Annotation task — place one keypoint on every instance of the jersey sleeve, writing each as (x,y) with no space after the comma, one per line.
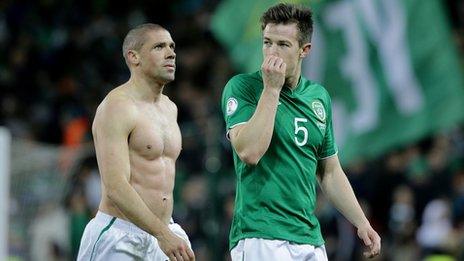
(328,147)
(238,101)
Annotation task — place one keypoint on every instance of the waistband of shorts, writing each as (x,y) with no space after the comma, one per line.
(121,223)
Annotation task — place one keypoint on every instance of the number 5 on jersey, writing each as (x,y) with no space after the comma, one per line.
(300,128)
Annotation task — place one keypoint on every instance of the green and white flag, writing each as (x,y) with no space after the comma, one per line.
(390,66)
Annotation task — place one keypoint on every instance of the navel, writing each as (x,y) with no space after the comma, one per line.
(149,147)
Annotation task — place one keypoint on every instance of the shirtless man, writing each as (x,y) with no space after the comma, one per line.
(137,141)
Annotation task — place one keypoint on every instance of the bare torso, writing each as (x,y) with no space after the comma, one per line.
(154,145)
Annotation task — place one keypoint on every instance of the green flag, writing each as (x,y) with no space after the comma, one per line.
(390,66)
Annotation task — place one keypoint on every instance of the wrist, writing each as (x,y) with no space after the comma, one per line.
(362,224)
(160,233)
(272,91)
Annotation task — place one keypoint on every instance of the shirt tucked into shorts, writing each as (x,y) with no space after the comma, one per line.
(250,249)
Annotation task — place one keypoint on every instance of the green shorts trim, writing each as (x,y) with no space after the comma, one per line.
(101,233)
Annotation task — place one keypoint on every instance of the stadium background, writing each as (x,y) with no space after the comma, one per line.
(59,59)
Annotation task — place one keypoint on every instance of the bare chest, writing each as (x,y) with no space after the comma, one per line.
(156,135)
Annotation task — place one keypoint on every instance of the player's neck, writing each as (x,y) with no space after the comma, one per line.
(146,89)
(292,81)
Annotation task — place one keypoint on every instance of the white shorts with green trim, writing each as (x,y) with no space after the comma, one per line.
(249,249)
(109,238)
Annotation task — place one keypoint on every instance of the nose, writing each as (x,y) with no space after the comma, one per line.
(171,54)
(272,50)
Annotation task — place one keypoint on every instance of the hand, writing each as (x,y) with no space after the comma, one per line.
(371,239)
(175,247)
(273,69)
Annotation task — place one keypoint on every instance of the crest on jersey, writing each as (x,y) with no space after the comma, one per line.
(231,106)
(319,110)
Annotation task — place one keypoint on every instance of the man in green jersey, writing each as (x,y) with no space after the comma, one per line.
(280,127)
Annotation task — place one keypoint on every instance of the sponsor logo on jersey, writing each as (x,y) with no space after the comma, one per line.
(319,110)
(231,105)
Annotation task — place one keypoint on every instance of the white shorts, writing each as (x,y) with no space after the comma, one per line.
(109,238)
(250,249)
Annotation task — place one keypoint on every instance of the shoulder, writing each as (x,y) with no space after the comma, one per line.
(246,79)
(117,105)
(246,83)
(118,100)
(318,90)
(171,106)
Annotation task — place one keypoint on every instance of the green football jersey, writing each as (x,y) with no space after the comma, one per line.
(276,198)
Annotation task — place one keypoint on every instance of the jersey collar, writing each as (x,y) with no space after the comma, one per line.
(299,87)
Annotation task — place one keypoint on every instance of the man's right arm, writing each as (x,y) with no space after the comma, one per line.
(114,121)
(252,139)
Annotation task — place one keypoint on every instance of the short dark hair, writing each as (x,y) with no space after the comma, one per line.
(136,37)
(289,13)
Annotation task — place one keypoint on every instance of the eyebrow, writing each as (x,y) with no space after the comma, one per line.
(284,41)
(278,41)
(163,44)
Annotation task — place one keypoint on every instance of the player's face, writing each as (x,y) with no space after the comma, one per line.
(282,40)
(157,56)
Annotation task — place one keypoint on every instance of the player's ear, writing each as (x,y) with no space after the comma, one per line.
(304,50)
(133,57)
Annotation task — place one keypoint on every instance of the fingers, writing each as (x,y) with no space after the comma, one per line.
(172,257)
(268,61)
(273,63)
(369,253)
(187,255)
(273,69)
(283,67)
(179,256)
(277,62)
(190,254)
(374,246)
(184,253)
(365,238)
(272,60)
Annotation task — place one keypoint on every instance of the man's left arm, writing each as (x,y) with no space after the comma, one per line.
(338,190)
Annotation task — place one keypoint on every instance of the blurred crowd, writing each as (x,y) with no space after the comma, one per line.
(61,58)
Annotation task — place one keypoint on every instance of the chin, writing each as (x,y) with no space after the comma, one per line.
(164,77)
(168,79)
(171,78)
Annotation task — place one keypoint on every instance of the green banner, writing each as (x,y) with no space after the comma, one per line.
(390,66)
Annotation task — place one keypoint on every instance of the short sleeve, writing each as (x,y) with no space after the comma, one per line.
(238,101)
(328,147)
